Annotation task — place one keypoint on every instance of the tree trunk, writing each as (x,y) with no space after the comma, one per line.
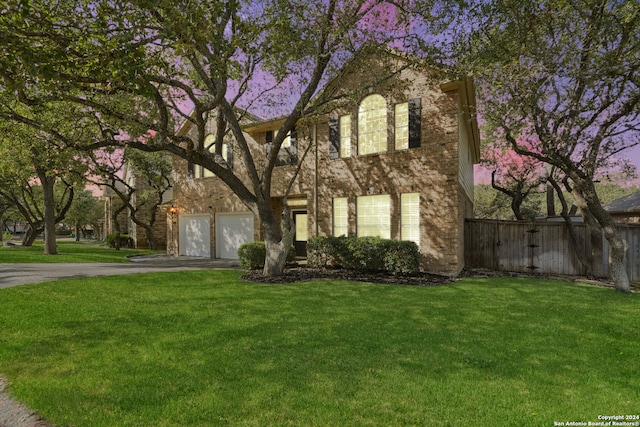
(47,183)
(551,201)
(586,260)
(32,232)
(617,246)
(77,232)
(277,242)
(151,238)
(594,228)
(617,253)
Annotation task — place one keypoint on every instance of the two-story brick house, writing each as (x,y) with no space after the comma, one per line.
(396,162)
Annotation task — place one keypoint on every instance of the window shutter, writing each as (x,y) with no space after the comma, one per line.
(415,110)
(334,138)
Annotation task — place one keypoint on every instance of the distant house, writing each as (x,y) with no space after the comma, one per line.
(397,164)
(127,226)
(625,209)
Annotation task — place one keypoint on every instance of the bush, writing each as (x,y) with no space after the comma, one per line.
(324,251)
(125,241)
(364,254)
(252,255)
(7,236)
(402,258)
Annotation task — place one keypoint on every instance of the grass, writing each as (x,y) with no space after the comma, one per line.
(206,348)
(68,252)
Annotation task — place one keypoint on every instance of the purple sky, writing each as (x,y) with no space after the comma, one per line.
(482,176)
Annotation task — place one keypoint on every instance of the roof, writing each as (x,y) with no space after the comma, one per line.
(630,203)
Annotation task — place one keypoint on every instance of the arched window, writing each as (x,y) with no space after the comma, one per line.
(372,125)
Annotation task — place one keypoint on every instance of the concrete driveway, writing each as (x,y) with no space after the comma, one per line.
(20,274)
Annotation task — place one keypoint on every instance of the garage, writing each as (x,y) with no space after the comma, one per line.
(195,235)
(232,230)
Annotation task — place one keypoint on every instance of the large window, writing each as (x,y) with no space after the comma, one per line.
(340,216)
(374,216)
(410,217)
(372,125)
(345,136)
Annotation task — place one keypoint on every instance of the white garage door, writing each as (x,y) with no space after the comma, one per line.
(195,235)
(232,230)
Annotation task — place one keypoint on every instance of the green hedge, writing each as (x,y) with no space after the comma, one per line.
(253,254)
(364,254)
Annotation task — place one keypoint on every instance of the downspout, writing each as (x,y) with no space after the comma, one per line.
(315,180)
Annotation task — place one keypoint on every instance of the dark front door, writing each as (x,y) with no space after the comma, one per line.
(302,232)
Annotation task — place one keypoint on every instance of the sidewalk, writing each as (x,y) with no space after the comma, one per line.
(20,274)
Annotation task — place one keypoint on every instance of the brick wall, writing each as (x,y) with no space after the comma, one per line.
(431,170)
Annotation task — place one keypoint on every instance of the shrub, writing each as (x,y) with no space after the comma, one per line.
(402,258)
(252,255)
(7,236)
(364,254)
(125,241)
(323,251)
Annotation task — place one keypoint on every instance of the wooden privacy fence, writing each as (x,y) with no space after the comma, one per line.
(540,247)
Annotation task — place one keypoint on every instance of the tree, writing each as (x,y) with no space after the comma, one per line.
(565,76)
(32,163)
(140,180)
(85,210)
(219,57)
(514,175)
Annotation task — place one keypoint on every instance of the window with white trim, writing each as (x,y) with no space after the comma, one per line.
(340,216)
(210,146)
(372,125)
(374,216)
(402,126)
(410,217)
(345,136)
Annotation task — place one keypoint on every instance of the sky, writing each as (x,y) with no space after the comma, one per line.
(483,176)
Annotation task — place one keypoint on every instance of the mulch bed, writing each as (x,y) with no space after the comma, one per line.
(302,273)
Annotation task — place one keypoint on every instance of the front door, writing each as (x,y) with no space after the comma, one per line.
(302,233)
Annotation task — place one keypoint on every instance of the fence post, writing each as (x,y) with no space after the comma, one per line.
(532,247)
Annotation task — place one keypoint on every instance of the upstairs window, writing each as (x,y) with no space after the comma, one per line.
(372,125)
(210,146)
(345,136)
(340,136)
(288,153)
(402,126)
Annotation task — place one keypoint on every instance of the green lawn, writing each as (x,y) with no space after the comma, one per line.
(68,251)
(203,348)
